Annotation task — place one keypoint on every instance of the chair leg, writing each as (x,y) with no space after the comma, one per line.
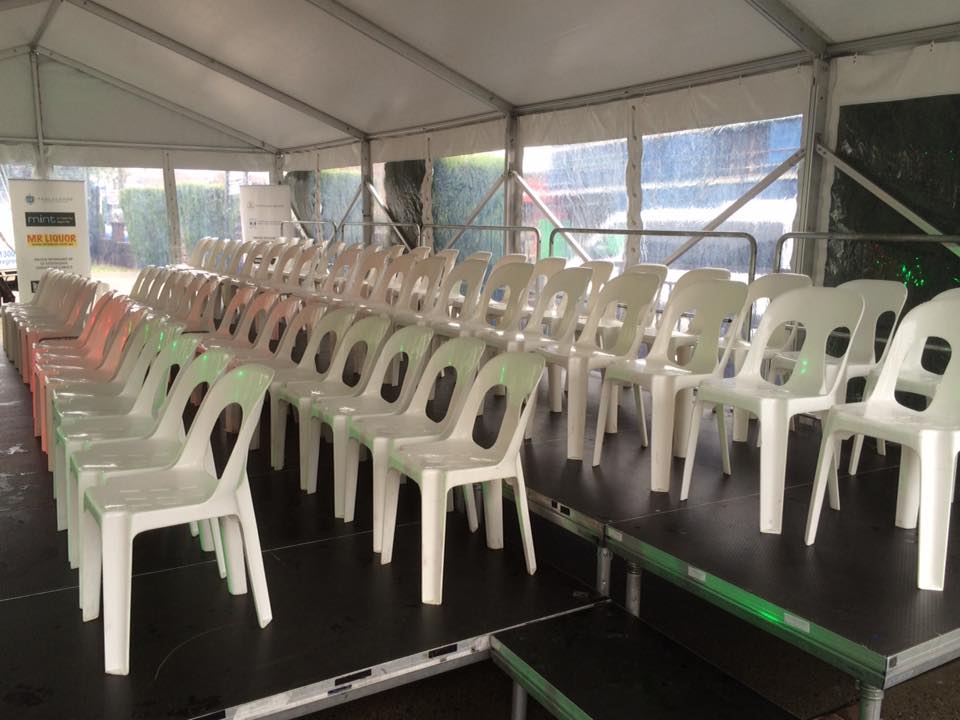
(528,430)
(613,410)
(691,448)
(60,484)
(470,505)
(218,548)
(340,462)
(493,513)
(309,441)
(641,415)
(855,454)
(937,472)
(90,569)
(882,448)
(232,539)
(278,427)
(523,515)
(828,448)
(251,547)
(578,373)
(662,414)
(379,461)
(433,525)
(555,387)
(774,429)
(391,489)
(722,434)
(349,469)
(834,478)
(206,536)
(606,389)
(117,579)
(908,490)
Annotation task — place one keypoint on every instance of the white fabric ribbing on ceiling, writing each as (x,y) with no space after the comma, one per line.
(96,156)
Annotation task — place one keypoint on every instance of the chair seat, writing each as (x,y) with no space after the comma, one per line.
(293,392)
(86,426)
(894,417)
(443,455)
(350,405)
(748,393)
(69,404)
(128,455)
(395,426)
(144,493)
(632,370)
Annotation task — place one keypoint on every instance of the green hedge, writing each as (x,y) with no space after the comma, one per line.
(145,215)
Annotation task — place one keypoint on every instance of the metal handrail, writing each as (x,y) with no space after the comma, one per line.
(695,237)
(504,228)
(376,224)
(857,237)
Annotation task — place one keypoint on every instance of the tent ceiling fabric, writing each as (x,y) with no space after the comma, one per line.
(854,19)
(525,51)
(19,25)
(533,50)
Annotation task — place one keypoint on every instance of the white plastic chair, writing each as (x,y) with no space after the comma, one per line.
(712,303)
(331,324)
(301,394)
(378,432)
(809,389)
(465,281)
(929,438)
(119,510)
(634,292)
(764,288)
(413,343)
(454,459)
(510,279)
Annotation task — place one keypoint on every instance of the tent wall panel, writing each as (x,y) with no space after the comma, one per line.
(334,157)
(479,137)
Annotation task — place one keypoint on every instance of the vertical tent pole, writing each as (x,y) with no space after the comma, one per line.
(366,197)
(633,247)
(38,115)
(512,195)
(811,171)
(173,209)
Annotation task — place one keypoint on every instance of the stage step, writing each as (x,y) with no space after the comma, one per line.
(603,663)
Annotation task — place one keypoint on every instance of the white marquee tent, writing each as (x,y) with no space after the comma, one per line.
(237,83)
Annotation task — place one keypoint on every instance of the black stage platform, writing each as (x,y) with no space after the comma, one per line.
(604,664)
(343,624)
(850,599)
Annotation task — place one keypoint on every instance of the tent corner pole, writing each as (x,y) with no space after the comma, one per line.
(366,197)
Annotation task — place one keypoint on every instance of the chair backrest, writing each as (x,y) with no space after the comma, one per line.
(449,258)
(260,305)
(414,343)
(230,256)
(177,351)
(333,323)
(367,272)
(466,277)
(512,279)
(934,319)
(519,373)
(157,333)
(463,355)
(425,275)
(422,252)
(711,303)
(368,332)
(565,290)
(480,255)
(271,255)
(239,257)
(634,293)
(304,319)
(342,268)
(395,272)
(234,311)
(657,269)
(287,259)
(767,287)
(819,311)
(283,309)
(303,268)
(602,270)
(879,297)
(105,323)
(199,250)
(245,386)
(144,278)
(202,311)
(101,306)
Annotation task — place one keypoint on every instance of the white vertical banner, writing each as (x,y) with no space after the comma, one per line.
(49,229)
(263,211)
